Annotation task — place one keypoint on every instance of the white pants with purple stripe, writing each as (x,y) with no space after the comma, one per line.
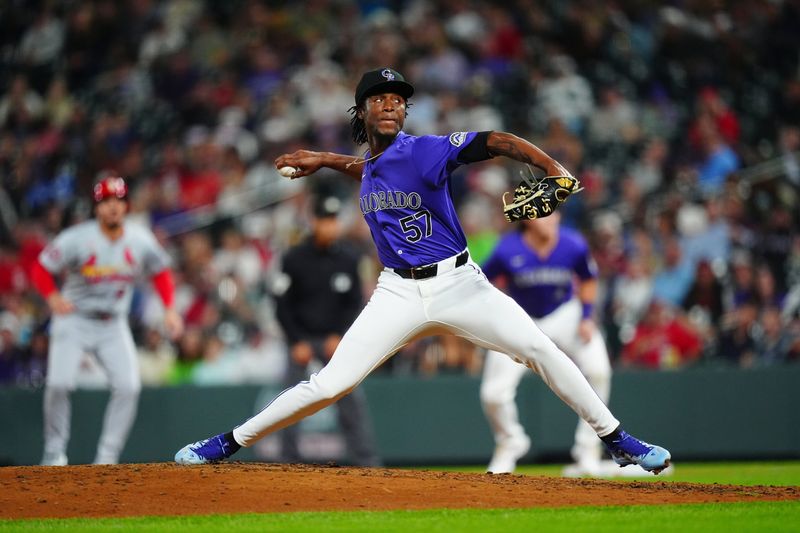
(457,300)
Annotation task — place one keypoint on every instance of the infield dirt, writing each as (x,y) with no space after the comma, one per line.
(168,489)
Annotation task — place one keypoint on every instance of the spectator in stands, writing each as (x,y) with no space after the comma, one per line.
(11,356)
(191,347)
(742,228)
(41,44)
(263,356)
(647,172)
(775,241)
(775,344)
(663,340)
(21,106)
(562,144)
(633,292)
(201,184)
(766,293)
(156,358)
(31,373)
(705,232)
(740,286)
(615,119)
(717,159)
(709,103)
(737,344)
(218,365)
(59,104)
(789,147)
(160,41)
(564,94)
(660,116)
(675,278)
(237,258)
(13,277)
(705,294)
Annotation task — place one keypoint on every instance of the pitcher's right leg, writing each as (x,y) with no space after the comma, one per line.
(393,316)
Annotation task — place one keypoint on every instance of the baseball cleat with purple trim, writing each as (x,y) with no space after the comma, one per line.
(628,450)
(206,451)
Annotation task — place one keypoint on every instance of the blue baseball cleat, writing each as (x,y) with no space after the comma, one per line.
(205,451)
(628,450)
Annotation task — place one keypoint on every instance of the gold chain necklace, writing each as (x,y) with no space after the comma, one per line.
(357,162)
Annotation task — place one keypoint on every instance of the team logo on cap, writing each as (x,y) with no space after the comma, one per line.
(388,74)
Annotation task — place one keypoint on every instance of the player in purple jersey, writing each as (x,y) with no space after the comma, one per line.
(539,264)
(429,284)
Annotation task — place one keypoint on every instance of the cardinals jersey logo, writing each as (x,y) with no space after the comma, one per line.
(89,264)
(95,273)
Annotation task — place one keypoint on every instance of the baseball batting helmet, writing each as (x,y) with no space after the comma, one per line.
(110,187)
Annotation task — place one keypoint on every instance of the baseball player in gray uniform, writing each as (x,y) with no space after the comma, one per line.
(539,265)
(100,260)
(429,284)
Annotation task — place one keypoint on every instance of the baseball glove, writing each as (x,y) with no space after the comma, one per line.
(539,198)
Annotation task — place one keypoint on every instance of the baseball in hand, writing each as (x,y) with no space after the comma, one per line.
(287,172)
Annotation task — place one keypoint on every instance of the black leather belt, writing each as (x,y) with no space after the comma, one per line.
(428,271)
(98,315)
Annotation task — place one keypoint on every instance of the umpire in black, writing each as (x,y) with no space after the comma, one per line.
(321,297)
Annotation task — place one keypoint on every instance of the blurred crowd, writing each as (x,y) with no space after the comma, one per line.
(682,120)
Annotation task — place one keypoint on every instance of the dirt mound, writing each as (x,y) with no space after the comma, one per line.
(168,489)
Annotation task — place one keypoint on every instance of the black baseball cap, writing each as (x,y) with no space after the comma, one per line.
(328,206)
(383,80)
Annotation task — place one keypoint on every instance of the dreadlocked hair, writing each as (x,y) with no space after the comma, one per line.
(358,130)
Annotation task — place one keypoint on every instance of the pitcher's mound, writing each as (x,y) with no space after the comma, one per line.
(168,489)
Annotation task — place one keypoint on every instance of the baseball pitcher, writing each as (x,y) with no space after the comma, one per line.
(429,284)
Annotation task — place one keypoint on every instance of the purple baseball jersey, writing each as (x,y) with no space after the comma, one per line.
(540,285)
(406,201)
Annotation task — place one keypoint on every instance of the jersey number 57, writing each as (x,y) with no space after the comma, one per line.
(418,225)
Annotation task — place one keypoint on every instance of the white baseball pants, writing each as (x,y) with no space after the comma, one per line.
(71,336)
(457,300)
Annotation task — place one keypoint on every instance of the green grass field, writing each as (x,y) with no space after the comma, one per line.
(765,516)
(780,473)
